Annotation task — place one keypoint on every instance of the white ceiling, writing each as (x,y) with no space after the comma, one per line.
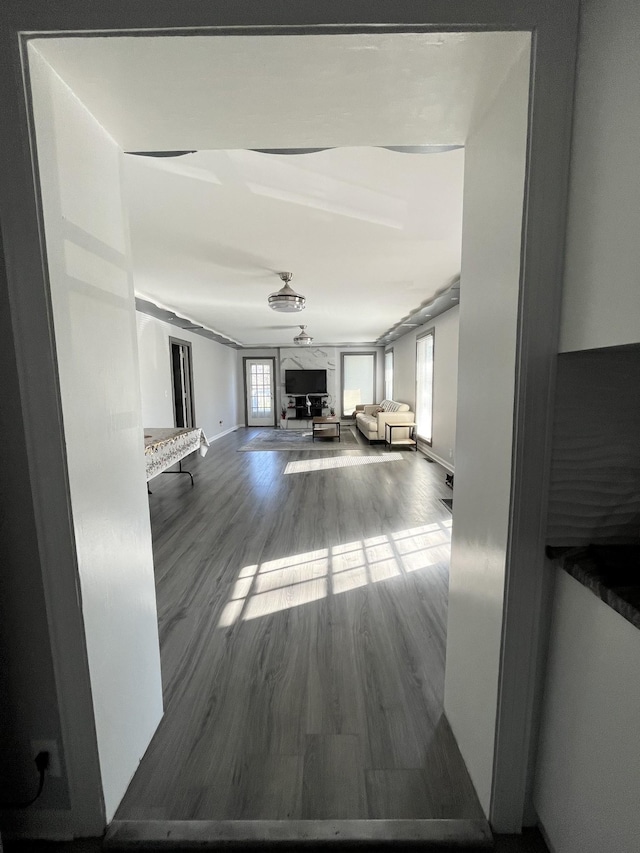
(366,233)
(369,234)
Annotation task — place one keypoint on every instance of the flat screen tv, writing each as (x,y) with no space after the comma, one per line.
(305,381)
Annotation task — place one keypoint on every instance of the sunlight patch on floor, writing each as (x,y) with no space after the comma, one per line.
(328,462)
(277,585)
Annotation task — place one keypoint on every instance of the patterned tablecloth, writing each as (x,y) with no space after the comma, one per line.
(164,446)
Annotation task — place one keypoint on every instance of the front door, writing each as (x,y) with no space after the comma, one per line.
(260,391)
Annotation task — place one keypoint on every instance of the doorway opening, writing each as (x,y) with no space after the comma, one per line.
(99,732)
(182,383)
(369,551)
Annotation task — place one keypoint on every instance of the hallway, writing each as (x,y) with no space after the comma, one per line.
(302,612)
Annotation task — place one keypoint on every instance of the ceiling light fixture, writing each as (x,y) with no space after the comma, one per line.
(303,339)
(286,299)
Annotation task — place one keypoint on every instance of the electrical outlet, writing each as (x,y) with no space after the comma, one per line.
(50,746)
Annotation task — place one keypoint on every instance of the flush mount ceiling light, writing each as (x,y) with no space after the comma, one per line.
(286,299)
(303,339)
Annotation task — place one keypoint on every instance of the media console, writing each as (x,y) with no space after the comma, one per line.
(297,407)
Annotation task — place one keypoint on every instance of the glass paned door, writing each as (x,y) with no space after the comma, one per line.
(260,392)
(358,380)
(424,386)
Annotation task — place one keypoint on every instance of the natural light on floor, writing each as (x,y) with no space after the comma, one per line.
(277,585)
(302,467)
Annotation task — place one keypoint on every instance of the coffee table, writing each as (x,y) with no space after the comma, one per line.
(325,428)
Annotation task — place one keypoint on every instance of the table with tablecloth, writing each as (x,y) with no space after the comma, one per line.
(167,446)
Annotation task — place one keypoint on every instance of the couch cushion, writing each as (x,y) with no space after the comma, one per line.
(393,406)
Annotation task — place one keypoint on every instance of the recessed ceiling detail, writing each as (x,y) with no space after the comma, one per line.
(145,306)
(447,298)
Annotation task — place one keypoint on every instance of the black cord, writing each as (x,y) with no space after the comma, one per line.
(42,763)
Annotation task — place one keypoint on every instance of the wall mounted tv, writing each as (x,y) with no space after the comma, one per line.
(305,381)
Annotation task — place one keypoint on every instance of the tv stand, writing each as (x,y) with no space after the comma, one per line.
(302,412)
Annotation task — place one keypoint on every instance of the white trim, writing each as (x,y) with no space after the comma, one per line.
(553,57)
(31,318)
(426,450)
(226,432)
(545,837)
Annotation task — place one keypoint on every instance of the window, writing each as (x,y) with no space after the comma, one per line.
(358,380)
(424,386)
(388,375)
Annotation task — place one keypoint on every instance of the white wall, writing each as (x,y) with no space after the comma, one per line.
(445,381)
(601,298)
(493,196)
(214,378)
(588,773)
(94,318)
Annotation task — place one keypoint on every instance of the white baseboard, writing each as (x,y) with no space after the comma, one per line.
(226,432)
(424,448)
(45,824)
(547,840)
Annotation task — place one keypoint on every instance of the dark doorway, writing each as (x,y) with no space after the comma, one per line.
(182,383)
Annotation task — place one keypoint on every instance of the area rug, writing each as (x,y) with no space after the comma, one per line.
(300,439)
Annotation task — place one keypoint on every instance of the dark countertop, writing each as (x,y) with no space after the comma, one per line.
(612,572)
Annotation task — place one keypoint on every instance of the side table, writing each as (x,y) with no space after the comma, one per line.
(411,440)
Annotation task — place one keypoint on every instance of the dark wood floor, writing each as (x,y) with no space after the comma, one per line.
(302,613)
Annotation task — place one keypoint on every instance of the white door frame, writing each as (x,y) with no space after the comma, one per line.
(553,24)
(245,375)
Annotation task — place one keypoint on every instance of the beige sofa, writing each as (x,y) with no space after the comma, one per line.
(371,420)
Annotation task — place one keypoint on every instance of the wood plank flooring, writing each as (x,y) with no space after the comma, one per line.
(302,614)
